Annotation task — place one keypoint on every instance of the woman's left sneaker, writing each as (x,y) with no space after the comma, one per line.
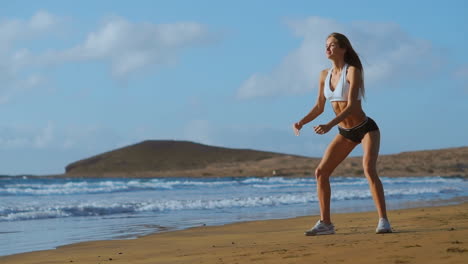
(383,227)
(320,228)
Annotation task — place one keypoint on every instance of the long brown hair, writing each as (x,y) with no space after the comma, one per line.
(350,57)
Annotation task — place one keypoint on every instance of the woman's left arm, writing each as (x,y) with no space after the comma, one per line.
(355,80)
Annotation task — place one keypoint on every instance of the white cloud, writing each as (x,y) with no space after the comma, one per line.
(14,85)
(130,47)
(387,52)
(16,30)
(127,47)
(42,20)
(15,60)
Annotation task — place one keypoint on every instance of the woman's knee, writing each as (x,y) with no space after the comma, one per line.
(370,171)
(321,174)
(369,165)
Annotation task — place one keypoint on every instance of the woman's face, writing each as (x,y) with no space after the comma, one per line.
(333,49)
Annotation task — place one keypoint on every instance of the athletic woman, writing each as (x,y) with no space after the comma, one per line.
(343,86)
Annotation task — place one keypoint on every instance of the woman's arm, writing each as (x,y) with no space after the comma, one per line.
(355,81)
(318,107)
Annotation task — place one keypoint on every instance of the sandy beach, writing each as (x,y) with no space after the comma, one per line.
(421,235)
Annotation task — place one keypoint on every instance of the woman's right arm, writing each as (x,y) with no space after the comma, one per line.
(318,107)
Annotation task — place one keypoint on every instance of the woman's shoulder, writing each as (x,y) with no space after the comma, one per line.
(353,69)
(323,74)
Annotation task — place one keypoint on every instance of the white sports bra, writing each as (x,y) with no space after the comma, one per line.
(342,87)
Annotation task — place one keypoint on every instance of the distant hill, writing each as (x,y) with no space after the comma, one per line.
(163,155)
(164,158)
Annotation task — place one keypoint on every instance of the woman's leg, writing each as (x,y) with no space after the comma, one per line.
(371,145)
(336,152)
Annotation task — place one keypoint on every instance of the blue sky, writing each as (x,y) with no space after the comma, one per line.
(83,77)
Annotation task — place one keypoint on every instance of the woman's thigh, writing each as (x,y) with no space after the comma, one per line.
(336,152)
(371,147)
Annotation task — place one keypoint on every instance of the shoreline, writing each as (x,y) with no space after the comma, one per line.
(278,240)
(175,176)
(446,162)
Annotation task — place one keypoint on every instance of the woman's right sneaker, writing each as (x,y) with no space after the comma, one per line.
(383,227)
(320,228)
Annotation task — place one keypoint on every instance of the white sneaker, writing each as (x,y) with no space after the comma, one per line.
(383,226)
(320,228)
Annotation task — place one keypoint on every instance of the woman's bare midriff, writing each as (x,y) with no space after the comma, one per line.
(356,117)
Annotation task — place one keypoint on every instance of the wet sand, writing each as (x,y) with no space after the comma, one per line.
(421,235)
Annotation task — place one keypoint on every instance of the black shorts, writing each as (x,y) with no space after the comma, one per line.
(357,133)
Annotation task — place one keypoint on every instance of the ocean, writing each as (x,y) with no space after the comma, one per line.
(39,213)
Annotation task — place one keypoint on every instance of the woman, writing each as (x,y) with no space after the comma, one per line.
(343,86)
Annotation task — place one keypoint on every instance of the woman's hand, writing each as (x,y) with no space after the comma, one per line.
(322,129)
(297,127)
